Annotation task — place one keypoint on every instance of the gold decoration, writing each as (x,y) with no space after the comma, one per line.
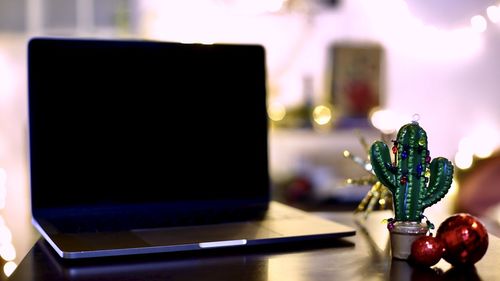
(378,196)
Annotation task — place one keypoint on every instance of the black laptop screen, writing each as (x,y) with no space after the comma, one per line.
(133,122)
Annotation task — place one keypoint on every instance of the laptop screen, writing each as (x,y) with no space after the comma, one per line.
(141,122)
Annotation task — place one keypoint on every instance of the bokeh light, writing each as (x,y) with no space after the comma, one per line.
(276,111)
(322,115)
(9,267)
(493,13)
(478,23)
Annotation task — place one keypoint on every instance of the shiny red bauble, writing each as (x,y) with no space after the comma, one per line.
(465,239)
(426,251)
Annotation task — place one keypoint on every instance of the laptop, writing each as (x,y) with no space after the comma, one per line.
(140,147)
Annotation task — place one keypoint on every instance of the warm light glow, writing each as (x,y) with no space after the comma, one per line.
(8,252)
(483,152)
(486,140)
(3,187)
(256,6)
(275,5)
(178,21)
(418,39)
(9,267)
(457,43)
(5,234)
(347,153)
(478,23)
(453,191)
(276,112)
(493,13)
(322,115)
(208,21)
(385,120)
(6,77)
(466,146)
(482,141)
(463,160)
(3,175)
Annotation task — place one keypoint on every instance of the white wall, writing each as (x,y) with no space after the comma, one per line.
(436,65)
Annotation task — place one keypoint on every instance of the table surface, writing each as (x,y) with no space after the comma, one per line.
(365,256)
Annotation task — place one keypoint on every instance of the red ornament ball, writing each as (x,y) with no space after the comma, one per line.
(465,239)
(426,251)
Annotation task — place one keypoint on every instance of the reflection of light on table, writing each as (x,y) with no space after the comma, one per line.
(286,269)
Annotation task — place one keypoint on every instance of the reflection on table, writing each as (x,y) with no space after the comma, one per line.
(365,256)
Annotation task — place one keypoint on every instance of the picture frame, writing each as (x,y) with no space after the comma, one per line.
(355,82)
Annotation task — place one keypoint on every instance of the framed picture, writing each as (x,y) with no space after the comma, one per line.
(355,88)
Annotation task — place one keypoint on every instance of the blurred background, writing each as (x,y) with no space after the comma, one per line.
(341,74)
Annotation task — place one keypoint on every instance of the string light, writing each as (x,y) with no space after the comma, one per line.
(478,23)
(322,115)
(493,13)
(385,120)
(463,160)
(8,252)
(9,268)
(481,142)
(276,112)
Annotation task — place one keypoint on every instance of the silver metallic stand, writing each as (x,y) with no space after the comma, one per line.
(402,236)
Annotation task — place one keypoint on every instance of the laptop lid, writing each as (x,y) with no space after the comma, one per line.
(146,131)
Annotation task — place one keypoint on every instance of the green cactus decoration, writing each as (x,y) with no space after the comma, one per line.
(414,181)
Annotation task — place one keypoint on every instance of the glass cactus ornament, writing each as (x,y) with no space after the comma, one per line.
(414,180)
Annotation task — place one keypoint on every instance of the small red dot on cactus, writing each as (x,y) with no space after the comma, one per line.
(394,149)
(403,180)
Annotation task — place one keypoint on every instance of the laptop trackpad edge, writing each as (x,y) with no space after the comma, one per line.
(206,234)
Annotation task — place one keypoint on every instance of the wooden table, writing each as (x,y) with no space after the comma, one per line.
(361,257)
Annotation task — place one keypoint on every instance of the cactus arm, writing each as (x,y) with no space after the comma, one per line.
(381,164)
(440,181)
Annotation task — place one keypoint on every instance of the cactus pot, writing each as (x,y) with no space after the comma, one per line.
(403,233)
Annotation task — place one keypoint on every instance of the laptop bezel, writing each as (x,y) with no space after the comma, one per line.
(254,206)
